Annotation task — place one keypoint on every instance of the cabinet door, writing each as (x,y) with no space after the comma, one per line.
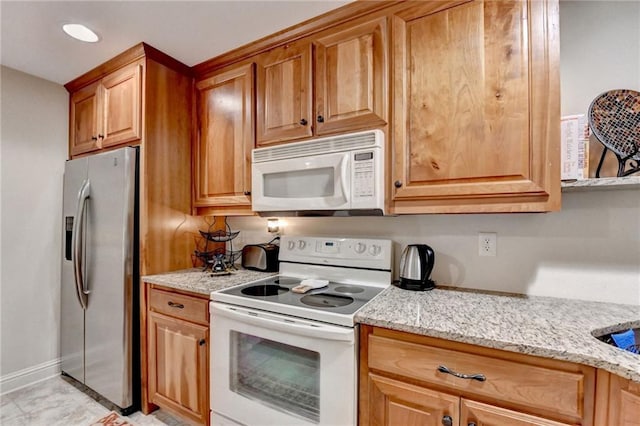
(284,91)
(476,107)
(122,106)
(624,402)
(351,70)
(475,413)
(83,129)
(224,138)
(178,373)
(395,403)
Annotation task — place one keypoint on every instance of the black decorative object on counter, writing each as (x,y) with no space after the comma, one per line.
(614,119)
(219,260)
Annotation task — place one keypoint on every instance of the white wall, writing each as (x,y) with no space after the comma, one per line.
(590,250)
(586,251)
(599,50)
(33,151)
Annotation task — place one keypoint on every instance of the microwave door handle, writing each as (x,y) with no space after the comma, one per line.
(295,327)
(344,163)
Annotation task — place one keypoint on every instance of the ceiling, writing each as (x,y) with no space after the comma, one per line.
(32,39)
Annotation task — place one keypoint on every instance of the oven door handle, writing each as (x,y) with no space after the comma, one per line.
(285,324)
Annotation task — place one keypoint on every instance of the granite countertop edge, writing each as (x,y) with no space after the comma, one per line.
(197,281)
(552,340)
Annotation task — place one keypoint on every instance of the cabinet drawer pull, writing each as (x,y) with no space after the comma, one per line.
(175,305)
(478,377)
(447,421)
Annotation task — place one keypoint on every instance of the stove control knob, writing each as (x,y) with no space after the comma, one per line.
(360,248)
(291,245)
(375,250)
(302,244)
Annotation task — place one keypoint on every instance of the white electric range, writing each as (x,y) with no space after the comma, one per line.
(284,358)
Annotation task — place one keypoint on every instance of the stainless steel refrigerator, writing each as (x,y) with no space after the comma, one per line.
(99,299)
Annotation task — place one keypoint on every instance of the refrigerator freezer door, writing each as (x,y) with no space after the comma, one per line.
(109,276)
(71,312)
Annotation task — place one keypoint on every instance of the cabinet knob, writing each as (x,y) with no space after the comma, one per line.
(303,122)
(175,305)
(247,193)
(202,343)
(397,184)
(94,138)
(447,421)
(101,136)
(320,119)
(471,424)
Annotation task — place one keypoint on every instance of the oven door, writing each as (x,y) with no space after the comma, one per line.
(321,182)
(270,369)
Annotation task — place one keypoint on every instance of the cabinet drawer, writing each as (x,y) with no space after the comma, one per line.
(179,305)
(521,384)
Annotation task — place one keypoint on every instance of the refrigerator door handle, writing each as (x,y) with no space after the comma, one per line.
(78,243)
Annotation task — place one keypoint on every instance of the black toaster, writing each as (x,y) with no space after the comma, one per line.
(260,257)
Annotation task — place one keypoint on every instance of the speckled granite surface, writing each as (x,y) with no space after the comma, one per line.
(197,281)
(542,326)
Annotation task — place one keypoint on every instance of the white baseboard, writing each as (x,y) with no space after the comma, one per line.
(28,376)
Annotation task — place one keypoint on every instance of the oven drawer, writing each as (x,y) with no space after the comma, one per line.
(178,305)
(516,383)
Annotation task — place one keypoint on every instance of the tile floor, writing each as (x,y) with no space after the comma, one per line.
(54,402)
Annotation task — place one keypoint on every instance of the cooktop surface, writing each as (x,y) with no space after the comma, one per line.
(275,294)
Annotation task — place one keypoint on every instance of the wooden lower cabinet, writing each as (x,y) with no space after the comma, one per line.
(396,403)
(474,413)
(178,354)
(402,383)
(618,401)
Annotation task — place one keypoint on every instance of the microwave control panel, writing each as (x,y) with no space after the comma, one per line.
(363,174)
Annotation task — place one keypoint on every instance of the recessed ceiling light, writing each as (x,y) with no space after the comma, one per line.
(80,32)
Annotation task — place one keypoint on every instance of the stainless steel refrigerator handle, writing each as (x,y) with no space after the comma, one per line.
(78,243)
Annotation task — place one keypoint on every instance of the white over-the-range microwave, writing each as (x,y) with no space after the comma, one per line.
(334,176)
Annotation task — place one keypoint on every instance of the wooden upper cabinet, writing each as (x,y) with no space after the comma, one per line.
(83,131)
(284,92)
(224,138)
(349,81)
(122,106)
(476,107)
(351,69)
(108,112)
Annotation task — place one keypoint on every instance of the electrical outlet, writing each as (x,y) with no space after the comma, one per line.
(487,243)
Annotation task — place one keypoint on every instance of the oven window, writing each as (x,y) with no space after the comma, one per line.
(310,183)
(284,377)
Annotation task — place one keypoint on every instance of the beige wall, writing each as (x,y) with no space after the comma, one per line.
(33,151)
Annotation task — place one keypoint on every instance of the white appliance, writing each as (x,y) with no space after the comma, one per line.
(99,309)
(334,176)
(285,358)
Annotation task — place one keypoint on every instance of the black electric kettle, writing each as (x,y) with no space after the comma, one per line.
(416,265)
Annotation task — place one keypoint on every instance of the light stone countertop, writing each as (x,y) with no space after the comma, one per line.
(198,281)
(542,326)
